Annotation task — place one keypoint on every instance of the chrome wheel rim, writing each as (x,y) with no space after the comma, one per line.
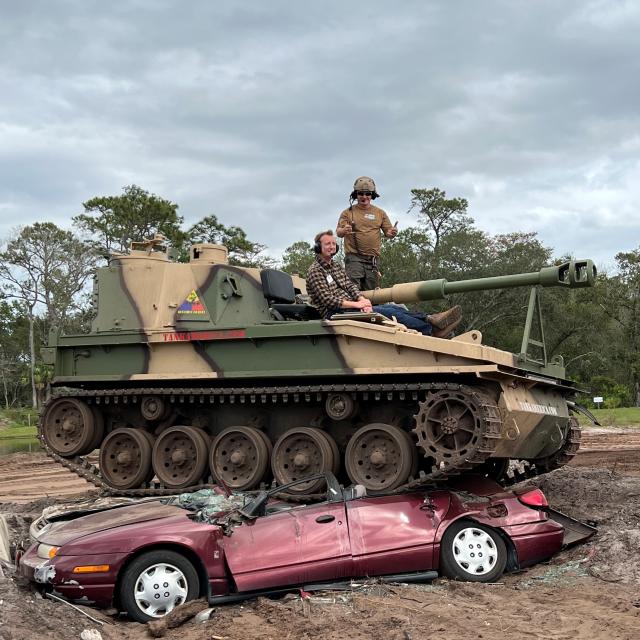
(159,589)
(475,551)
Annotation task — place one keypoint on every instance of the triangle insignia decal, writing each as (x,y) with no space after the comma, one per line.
(192,307)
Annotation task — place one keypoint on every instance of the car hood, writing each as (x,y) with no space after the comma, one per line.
(59,533)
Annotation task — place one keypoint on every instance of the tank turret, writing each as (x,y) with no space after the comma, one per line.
(201,371)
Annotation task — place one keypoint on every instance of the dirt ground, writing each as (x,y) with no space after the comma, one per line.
(590,591)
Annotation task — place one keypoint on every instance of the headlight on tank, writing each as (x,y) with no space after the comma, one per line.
(47,551)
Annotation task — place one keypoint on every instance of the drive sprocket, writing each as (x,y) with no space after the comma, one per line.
(457,427)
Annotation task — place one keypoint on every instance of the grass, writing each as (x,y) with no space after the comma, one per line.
(18,423)
(620,417)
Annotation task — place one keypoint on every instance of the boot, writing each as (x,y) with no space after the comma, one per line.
(446,332)
(445,318)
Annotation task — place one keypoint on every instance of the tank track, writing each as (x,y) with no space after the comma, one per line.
(297,395)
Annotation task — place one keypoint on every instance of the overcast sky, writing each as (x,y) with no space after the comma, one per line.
(263,113)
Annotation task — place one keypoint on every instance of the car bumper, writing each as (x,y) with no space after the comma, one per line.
(57,574)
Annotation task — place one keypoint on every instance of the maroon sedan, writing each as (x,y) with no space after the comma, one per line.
(148,558)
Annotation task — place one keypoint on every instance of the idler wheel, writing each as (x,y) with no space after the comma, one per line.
(380,457)
(301,452)
(180,456)
(455,428)
(239,457)
(125,458)
(69,427)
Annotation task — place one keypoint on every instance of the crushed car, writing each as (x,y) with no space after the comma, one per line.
(150,557)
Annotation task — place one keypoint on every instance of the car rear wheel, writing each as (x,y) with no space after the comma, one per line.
(472,552)
(156,582)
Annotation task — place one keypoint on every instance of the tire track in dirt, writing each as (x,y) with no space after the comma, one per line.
(25,477)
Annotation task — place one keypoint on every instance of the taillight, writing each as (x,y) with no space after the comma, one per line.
(533,498)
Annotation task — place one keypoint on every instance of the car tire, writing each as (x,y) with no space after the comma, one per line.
(472,552)
(156,582)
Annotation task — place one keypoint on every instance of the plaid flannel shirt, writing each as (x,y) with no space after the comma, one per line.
(328,285)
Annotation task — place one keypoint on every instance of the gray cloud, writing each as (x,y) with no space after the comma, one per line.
(265,113)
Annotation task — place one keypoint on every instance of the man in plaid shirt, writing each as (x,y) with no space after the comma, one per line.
(331,291)
(328,285)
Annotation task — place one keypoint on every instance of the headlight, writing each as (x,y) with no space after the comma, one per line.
(47,551)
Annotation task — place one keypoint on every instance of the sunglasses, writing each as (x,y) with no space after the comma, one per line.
(364,193)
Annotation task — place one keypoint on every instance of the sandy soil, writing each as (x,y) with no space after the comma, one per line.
(590,591)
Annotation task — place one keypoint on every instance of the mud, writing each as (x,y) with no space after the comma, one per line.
(590,591)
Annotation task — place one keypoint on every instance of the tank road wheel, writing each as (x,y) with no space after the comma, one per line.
(336,452)
(98,429)
(302,452)
(239,457)
(380,457)
(125,458)
(180,456)
(152,440)
(69,427)
(457,428)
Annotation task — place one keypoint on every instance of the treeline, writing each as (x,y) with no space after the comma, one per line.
(45,273)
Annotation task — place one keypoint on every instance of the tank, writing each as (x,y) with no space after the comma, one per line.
(204,372)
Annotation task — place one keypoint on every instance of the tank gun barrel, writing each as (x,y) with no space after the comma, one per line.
(573,274)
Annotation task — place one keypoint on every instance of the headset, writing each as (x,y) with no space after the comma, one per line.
(317,246)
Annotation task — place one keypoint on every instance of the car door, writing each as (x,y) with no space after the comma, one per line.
(300,545)
(394,534)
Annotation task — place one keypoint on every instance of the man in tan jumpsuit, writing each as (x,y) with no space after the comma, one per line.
(361,225)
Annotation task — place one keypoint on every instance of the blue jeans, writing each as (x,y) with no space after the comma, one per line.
(412,319)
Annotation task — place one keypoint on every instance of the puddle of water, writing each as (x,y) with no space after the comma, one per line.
(15,445)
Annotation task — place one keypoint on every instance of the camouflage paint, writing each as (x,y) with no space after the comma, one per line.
(159,322)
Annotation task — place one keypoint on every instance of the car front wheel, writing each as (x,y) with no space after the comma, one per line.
(156,582)
(472,552)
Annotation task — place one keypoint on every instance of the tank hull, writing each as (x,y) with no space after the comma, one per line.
(279,378)
(203,371)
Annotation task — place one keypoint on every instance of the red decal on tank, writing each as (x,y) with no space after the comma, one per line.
(191,336)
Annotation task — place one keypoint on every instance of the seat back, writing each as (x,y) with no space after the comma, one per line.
(277,286)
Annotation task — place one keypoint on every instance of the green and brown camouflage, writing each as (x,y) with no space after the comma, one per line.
(203,370)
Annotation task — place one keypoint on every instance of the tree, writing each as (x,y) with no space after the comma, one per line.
(46,266)
(14,352)
(439,214)
(623,305)
(133,216)
(406,258)
(242,251)
(297,258)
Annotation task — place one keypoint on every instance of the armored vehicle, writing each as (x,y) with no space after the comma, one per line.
(202,371)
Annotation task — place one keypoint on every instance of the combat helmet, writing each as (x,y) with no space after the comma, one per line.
(364,183)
